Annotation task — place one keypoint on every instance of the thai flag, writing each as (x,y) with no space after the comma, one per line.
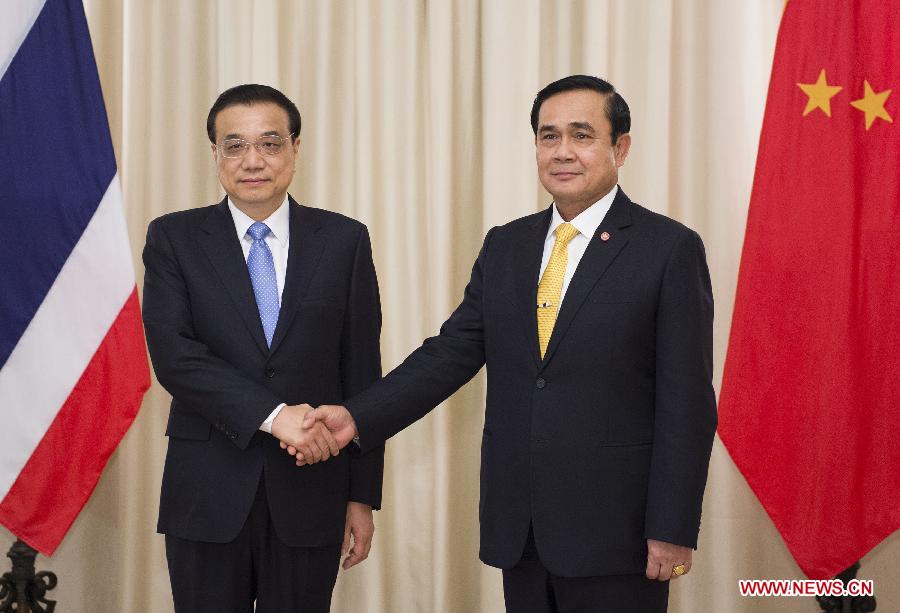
(73,364)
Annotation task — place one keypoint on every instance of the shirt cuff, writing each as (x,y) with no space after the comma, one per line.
(266,426)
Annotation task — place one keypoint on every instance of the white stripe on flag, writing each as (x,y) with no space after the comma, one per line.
(18,17)
(66,330)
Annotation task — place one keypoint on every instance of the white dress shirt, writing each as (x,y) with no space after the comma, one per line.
(586,223)
(278,241)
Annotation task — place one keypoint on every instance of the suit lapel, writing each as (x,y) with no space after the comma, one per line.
(596,259)
(304,253)
(218,239)
(528,269)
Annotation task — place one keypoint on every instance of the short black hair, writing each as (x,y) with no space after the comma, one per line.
(251,94)
(616,108)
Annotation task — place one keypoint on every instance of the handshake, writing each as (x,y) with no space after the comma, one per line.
(313,435)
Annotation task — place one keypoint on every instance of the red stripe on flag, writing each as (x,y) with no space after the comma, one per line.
(63,471)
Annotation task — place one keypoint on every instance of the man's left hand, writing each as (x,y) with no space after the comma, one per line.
(360,527)
(662,558)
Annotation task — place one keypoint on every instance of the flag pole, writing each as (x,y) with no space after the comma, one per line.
(847,604)
(22,590)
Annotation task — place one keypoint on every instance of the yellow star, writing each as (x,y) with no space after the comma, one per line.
(820,94)
(872,105)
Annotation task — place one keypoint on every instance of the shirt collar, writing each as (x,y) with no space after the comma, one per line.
(589,219)
(278,222)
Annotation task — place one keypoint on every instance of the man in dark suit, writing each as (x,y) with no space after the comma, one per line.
(594,318)
(251,306)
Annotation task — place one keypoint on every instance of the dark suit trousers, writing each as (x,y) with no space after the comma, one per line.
(257,565)
(528,587)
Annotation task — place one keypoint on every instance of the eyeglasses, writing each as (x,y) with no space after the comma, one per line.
(265,145)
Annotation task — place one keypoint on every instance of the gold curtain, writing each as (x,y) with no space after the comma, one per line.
(415,121)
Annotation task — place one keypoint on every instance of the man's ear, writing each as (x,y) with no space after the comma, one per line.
(622,147)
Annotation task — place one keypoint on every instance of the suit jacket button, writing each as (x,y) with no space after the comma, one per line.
(270,372)
(541,383)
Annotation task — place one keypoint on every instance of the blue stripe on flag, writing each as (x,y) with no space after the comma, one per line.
(56,160)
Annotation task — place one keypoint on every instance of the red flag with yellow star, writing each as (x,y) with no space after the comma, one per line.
(810,402)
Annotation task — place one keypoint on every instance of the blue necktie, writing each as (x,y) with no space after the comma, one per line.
(262,276)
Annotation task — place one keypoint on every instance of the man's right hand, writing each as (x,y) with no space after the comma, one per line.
(315,442)
(338,421)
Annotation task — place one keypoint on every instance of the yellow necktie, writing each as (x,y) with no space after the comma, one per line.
(550,287)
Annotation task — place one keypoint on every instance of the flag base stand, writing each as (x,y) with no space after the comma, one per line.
(842,604)
(22,590)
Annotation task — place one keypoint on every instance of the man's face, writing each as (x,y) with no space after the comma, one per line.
(255,182)
(577,161)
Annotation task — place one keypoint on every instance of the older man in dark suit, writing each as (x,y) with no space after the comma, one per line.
(594,318)
(252,306)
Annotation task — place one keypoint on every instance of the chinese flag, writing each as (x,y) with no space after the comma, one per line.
(810,402)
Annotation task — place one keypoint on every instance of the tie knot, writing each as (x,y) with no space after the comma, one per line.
(565,232)
(258,230)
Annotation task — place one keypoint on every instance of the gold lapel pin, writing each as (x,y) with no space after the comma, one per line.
(604,236)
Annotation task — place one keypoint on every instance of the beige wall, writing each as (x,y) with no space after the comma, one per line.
(416,122)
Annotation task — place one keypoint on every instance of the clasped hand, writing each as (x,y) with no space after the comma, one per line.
(313,435)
